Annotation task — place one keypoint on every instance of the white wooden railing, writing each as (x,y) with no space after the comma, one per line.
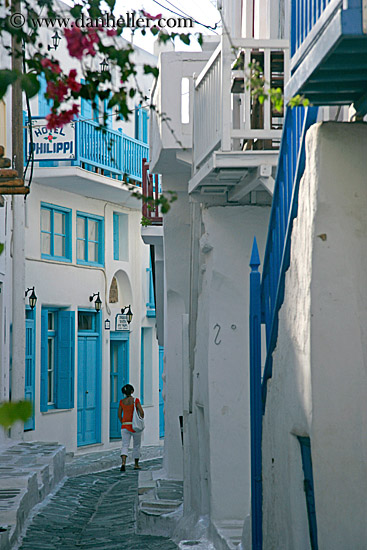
(224,120)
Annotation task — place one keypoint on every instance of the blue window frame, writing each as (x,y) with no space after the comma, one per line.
(141,124)
(89,239)
(120,236)
(30,347)
(57,359)
(55,232)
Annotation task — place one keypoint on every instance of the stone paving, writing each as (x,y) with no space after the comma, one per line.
(93,511)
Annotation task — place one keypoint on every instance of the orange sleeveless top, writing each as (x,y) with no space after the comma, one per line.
(127,415)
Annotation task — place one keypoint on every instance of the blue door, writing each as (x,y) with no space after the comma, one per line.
(29,364)
(161,402)
(89,378)
(119,376)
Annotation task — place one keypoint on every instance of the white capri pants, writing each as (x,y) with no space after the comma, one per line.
(125,442)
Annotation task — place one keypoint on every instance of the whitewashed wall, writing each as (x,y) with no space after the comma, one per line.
(70,285)
(319,382)
(221,375)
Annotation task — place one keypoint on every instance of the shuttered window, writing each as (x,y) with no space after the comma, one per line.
(57,359)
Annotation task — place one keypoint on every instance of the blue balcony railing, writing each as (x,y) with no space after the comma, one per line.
(108,152)
(305,14)
(329,52)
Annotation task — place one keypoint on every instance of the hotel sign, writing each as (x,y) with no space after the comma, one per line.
(121,322)
(57,144)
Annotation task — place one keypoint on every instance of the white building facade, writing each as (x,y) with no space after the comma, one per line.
(82,246)
(219,154)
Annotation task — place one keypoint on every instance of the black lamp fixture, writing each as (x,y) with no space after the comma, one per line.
(55,41)
(98,301)
(32,298)
(129,314)
(103,65)
(107,324)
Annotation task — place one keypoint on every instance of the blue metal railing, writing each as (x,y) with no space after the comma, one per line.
(133,152)
(101,149)
(108,151)
(291,165)
(305,14)
(267,297)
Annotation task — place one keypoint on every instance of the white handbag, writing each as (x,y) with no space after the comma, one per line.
(138,421)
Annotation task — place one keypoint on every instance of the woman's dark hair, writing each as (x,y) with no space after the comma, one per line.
(128,389)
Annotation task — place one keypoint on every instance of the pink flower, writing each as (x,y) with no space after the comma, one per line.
(54,67)
(149,16)
(57,90)
(111,32)
(72,83)
(55,120)
(74,39)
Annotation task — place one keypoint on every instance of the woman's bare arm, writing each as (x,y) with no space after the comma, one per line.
(119,413)
(140,409)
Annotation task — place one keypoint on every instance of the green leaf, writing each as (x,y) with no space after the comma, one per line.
(76,11)
(185,38)
(7,77)
(14,411)
(30,84)
(2,246)
(148,69)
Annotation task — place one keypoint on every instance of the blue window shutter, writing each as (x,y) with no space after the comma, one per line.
(137,123)
(96,110)
(65,360)
(43,104)
(43,400)
(85,107)
(108,112)
(145,117)
(116,240)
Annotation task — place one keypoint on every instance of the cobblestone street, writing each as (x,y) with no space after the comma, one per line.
(93,511)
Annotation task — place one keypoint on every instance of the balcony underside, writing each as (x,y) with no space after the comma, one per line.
(330,68)
(232,176)
(74,179)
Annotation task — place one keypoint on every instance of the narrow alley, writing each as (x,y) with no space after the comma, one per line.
(93,511)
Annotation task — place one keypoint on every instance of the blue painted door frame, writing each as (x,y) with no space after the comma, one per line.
(161,402)
(89,382)
(30,350)
(119,376)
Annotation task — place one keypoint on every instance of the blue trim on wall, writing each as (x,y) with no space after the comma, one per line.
(86,216)
(68,232)
(142,366)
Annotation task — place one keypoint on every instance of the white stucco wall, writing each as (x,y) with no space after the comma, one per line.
(221,375)
(319,382)
(62,284)
(177,281)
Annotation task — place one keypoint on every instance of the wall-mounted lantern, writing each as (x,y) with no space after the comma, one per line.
(97,302)
(129,314)
(107,324)
(55,41)
(32,298)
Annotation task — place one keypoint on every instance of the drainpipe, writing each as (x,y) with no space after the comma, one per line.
(18,263)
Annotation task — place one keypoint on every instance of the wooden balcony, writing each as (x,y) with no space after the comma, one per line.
(329,52)
(235,138)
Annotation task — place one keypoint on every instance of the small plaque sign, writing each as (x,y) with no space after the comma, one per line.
(121,322)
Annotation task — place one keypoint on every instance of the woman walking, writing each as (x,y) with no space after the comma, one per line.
(125,414)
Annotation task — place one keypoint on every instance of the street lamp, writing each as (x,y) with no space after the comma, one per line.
(32,298)
(98,301)
(55,41)
(129,314)
(104,65)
